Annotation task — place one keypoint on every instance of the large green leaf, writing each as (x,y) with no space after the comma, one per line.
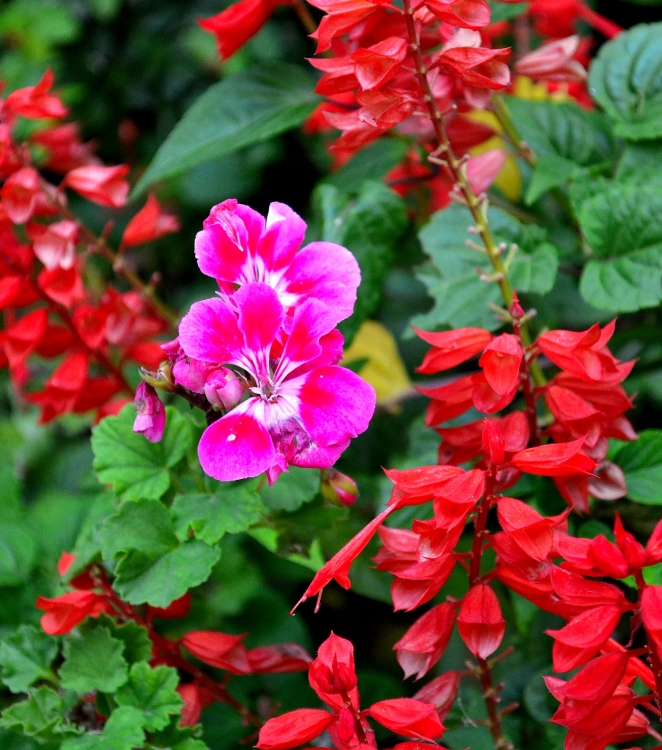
(369,225)
(622,228)
(25,657)
(243,109)
(292,489)
(641,462)
(135,467)
(461,297)
(501,11)
(41,715)
(155,566)
(229,510)
(626,80)
(153,693)
(93,661)
(566,140)
(18,552)
(370,163)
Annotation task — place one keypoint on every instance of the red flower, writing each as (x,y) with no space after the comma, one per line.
(63,613)
(501,362)
(440,692)
(176,609)
(196,697)
(235,25)
(651,610)
(553,62)
(377,64)
(480,621)
(64,286)
(408,717)
(294,728)
(424,643)
(103,185)
(35,101)
(278,659)
(20,193)
(532,533)
(150,223)
(466,14)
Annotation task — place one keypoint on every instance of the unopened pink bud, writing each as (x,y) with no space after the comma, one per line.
(553,62)
(338,488)
(516,310)
(223,389)
(150,413)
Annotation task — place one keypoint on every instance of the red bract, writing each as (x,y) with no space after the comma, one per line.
(377,64)
(480,621)
(218,650)
(235,25)
(452,348)
(651,611)
(196,697)
(20,193)
(281,658)
(293,729)
(424,643)
(103,185)
(467,14)
(561,460)
(150,223)
(501,362)
(63,613)
(36,101)
(407,717)
(440,692)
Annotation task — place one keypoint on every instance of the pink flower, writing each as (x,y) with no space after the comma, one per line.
(150,413)
(237,246)
(302,410)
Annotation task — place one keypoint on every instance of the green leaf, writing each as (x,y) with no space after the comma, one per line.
(41,715)
(230,510)
(156,568)
(292,489)
(135,467)
(641,462)
(18,554)
(640,163)
(244,109)
(93,661)
(123,731)
(136,640)
(25,657)
(369,225)
(621,225)
(88,543)
(461,298)
(370,163)
(153,693)
(626,81)
(500,11)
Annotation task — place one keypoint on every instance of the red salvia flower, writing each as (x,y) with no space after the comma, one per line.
(235,25)
(150,223)
(451,348)
(218,650)
(36,101)
(565,459)
(480,621)
(63,613)
(440,692)
(424,643)
(408,717)
(103,185)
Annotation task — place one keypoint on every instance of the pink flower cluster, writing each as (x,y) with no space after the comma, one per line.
(264,353)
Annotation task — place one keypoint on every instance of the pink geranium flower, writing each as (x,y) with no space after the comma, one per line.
(236,246)
(302,410)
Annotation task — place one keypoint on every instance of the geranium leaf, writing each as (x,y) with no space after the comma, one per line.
(153,693)
(25,657)
(93,661)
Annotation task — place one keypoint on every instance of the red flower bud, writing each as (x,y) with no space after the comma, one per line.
(440,692)
(607,558)
(407,717)
(480,621)
(501,362)
(452,348)
(338,488)
(103,185)
(424,643)
(150,223)
(293,729)
(218,650)
(20,193)
(493,443)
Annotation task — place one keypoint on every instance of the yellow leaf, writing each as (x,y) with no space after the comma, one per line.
(384,370)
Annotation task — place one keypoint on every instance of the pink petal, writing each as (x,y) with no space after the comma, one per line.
(236,447)
(209,331)
(283,236)
(327,272)
(225,246)
(336,404)
(311,321)
(260,317)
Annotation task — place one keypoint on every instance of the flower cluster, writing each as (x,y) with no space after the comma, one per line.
(50,312)
(333,677)
(261,358)
(92,595)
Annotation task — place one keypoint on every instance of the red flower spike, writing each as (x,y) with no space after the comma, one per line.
(293,729)
(501,362)
(377,64)
(176,609)
(150,223)
(35,101)
(560,460)
(103,185)
(63,613)
(337,568)
(493,443)
(582,638)
(235,25)
(480,621)
(651,610)
(407,717)
(532,533)
(281,658)
(654,546)
(607,558)
(218,650)
(451,348)
(465,14)
(440,692)
(424,643)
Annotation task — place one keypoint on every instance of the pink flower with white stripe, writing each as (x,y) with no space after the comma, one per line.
(237,246)
(302,409)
